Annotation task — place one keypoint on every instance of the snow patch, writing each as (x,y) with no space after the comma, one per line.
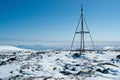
(11,49)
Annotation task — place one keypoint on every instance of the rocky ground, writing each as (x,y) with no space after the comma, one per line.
(21,64)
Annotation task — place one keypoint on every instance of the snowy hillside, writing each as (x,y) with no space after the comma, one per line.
(59,65)
(11,49)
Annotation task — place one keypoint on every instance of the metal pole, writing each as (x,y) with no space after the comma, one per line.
(82,32)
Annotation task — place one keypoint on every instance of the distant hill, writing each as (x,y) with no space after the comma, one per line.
(11,49)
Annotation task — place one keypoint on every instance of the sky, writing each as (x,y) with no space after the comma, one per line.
(54,21)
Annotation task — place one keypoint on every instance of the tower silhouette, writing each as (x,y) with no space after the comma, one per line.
(82,33)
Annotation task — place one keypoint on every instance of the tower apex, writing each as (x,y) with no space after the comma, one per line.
(81,7)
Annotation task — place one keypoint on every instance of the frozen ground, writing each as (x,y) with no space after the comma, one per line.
(22,64)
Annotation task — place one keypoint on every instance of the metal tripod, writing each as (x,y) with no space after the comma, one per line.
(82,34)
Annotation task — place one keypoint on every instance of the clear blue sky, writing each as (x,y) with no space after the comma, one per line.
(56,20)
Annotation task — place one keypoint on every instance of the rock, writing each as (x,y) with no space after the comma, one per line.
(99,70)
(118,56)
(76,55)
(11,59)
(3,63)
(105,71)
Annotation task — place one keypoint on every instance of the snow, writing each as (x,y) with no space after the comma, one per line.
(10,49)
(58,65)
(3,48)
(108,48)
(5,70)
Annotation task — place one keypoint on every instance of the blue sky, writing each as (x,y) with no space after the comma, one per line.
(32,21)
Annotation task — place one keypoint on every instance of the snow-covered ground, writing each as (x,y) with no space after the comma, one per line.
(22,64)
(5,49)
